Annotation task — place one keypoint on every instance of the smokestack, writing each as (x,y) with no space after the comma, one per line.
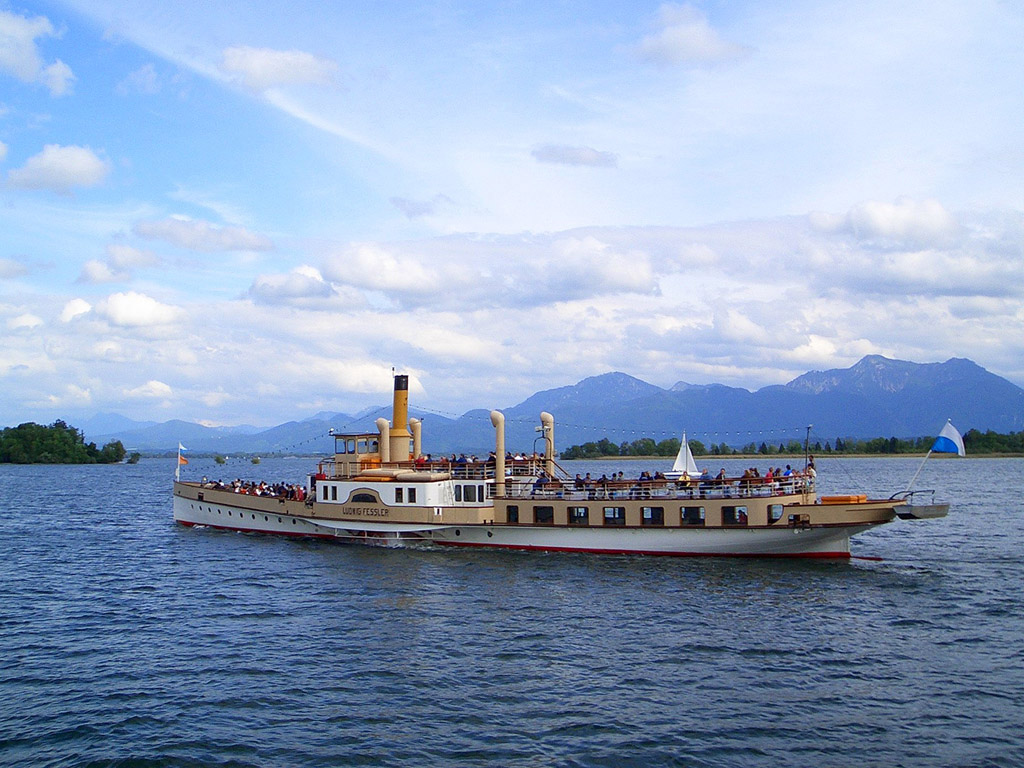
(498,420)
(548,431)
(399,443)
(416,427)
(385,441)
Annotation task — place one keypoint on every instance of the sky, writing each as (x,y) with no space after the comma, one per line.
(251,212)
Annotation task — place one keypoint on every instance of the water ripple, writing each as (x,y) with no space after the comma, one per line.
(129,641)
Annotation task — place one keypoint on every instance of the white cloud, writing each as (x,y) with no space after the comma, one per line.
(415,209)
(685,37)
(19,54)
(375,266)
(72,396)
(214,400)
(133,309)
(198,235)
(734,326)
(262,68)
(126,257)
(60,169)
(151,390)
(27,320)
(73,309)
(96,271)
(298,286)
(589,266)
(3,149)
(925,221)
(563,155)
(57,77)
(142,80)
(11,268)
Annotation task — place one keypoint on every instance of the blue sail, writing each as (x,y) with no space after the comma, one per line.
(949,441)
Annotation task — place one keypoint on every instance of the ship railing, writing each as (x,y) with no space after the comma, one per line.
(659,489)
(460,470)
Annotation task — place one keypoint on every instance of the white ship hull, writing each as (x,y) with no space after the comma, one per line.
(771,541)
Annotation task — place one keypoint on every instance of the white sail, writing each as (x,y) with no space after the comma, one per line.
(684,461)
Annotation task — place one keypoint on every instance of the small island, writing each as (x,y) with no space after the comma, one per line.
(58,443)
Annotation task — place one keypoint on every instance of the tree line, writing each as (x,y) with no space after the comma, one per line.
(975,442)
(57,443)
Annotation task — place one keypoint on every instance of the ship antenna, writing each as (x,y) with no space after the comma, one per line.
(807,447)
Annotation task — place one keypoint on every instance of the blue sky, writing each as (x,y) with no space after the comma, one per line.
(250,212)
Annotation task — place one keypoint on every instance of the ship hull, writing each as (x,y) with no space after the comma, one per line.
(825,541)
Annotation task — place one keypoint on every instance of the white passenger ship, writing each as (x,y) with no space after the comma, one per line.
(380,488)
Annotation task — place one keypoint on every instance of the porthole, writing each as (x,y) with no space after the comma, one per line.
(279,519)
(229,513)
(489,534)
(266,518)
(458,532)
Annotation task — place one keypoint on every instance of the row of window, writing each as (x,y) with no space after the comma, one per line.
(405,494)
(402,495)
(649,516)
(470,493)
(473,494)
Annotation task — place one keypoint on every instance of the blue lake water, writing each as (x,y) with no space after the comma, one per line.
(127,640)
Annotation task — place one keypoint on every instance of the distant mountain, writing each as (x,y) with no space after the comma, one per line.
(894,397)
(108,423)
(876,397)
(608,387)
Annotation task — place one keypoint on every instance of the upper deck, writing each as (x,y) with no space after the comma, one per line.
(527,478)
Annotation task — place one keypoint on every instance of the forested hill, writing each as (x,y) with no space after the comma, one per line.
(57,443)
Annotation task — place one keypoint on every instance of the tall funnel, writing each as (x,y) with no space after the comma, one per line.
(498,420)
(399,441)
(547,422)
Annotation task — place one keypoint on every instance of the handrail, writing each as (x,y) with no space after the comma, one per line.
(525,478)
(660,489)
(909,495)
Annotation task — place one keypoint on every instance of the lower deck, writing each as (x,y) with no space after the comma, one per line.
(781,525)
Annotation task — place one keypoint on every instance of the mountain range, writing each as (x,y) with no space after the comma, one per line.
(876,397)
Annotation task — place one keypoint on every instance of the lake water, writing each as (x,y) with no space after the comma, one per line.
(127,640)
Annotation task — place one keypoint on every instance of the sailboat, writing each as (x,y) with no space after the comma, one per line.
(684,465)
(949,441)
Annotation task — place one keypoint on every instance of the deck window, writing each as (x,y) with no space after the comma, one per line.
(364,498)
(512,513)
(412,495)
(458,493)
(734,515)
(614,515)
(399,495)
(692,515)
(334,493)
(774,513)
(579,516)
(469,493)
(323,493)
(652,516)
(544,515)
